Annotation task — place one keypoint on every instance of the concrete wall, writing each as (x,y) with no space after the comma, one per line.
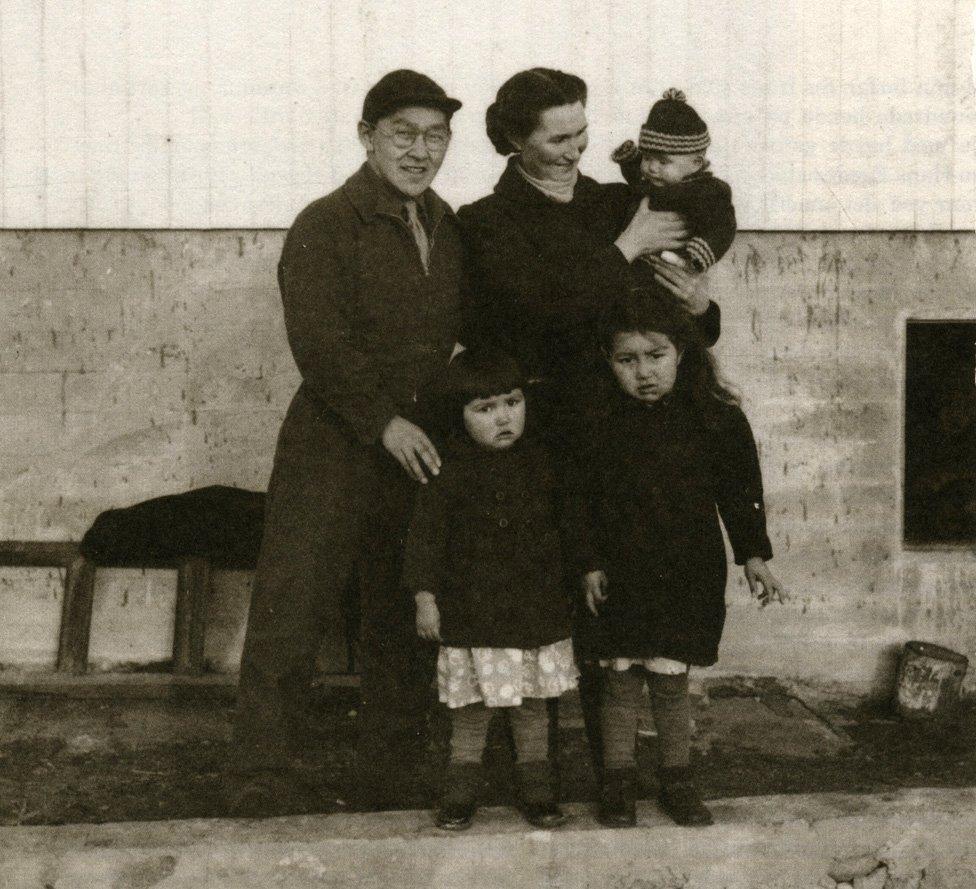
(137,364)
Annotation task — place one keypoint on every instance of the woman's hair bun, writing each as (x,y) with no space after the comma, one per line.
(496,130)
(522,98)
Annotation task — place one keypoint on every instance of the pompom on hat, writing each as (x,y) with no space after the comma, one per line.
(674,127)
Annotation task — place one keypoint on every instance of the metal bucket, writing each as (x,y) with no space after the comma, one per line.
(929,680)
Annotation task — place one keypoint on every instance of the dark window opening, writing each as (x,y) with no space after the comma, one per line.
(940,433)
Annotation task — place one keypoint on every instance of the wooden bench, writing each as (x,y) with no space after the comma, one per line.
(192,593)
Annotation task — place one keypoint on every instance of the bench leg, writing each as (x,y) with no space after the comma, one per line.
(192,593)
(76,615)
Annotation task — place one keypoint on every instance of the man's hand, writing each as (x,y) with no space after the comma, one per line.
(428,617)
(409,445)
(595,589)
(689,288)
(757,573)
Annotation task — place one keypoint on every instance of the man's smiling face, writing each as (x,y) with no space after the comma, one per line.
(409,170)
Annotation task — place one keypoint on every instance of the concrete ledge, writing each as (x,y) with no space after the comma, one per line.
(783,841)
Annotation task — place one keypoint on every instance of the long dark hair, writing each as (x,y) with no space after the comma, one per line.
(523,97)
(651,309)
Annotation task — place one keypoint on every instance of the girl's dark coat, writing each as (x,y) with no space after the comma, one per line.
(648,481)
(485,541)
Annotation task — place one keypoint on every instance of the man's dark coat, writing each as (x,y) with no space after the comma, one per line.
(368,326)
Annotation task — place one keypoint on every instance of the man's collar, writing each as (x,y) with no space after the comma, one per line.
(371,196)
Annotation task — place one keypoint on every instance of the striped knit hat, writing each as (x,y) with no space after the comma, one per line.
(674,127)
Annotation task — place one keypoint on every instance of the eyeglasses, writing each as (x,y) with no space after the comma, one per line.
(436,138)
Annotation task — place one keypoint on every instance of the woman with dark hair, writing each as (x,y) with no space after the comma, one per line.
(551,248)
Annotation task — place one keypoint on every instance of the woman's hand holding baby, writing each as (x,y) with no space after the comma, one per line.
(595,590)
(689,288)
(758,573)
(409,445)
(428,617)
(651,231)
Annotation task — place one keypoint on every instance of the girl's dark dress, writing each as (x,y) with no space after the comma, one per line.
(650,483)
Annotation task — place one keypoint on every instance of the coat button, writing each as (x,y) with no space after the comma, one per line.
(503,523)
(499,496)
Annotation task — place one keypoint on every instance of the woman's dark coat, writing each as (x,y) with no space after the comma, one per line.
(649,485)
(541,273)
(484,541)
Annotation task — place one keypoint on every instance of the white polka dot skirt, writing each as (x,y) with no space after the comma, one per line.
(502,677)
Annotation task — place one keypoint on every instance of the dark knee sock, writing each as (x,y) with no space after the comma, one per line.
(469,729)
(672,717)
(622,692)
(530,729)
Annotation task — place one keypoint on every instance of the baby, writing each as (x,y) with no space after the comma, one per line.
(669,168)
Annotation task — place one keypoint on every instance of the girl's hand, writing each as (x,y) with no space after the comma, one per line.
(757,572)
(651,231)
(428,617)
(595,588)
(689,288)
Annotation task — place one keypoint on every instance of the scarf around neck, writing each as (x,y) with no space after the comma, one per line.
(560,192)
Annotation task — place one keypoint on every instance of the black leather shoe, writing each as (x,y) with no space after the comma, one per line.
(538,802)
(679,798)
(618,798)
(459,802)
(544,814)
(455,814)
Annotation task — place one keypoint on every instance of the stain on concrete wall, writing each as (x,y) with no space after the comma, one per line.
(138,364)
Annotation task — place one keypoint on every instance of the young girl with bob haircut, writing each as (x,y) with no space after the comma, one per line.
(655,467)
(484,560)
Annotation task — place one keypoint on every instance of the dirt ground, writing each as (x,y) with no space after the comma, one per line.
(66,760)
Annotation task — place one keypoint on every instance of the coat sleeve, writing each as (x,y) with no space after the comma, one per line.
(546,296)
(580,534)
(627,156)
(425,553)
(739,493)
(318,293)
(714,225)
(710,324)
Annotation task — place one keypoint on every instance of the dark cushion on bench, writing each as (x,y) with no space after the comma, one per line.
(220,523)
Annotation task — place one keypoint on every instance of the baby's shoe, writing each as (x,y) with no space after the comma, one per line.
(539,804)
(618,798)
(459,800)
(672,258)
(679,798)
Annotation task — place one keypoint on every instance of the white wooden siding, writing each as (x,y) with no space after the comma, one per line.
(825,114)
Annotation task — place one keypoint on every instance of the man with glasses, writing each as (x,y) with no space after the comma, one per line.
(370,278)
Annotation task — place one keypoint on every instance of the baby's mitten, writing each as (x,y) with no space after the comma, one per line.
(628,157)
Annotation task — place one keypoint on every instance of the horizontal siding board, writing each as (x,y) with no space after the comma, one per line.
(848,114)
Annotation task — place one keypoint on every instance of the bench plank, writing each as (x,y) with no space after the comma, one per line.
(37,553)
